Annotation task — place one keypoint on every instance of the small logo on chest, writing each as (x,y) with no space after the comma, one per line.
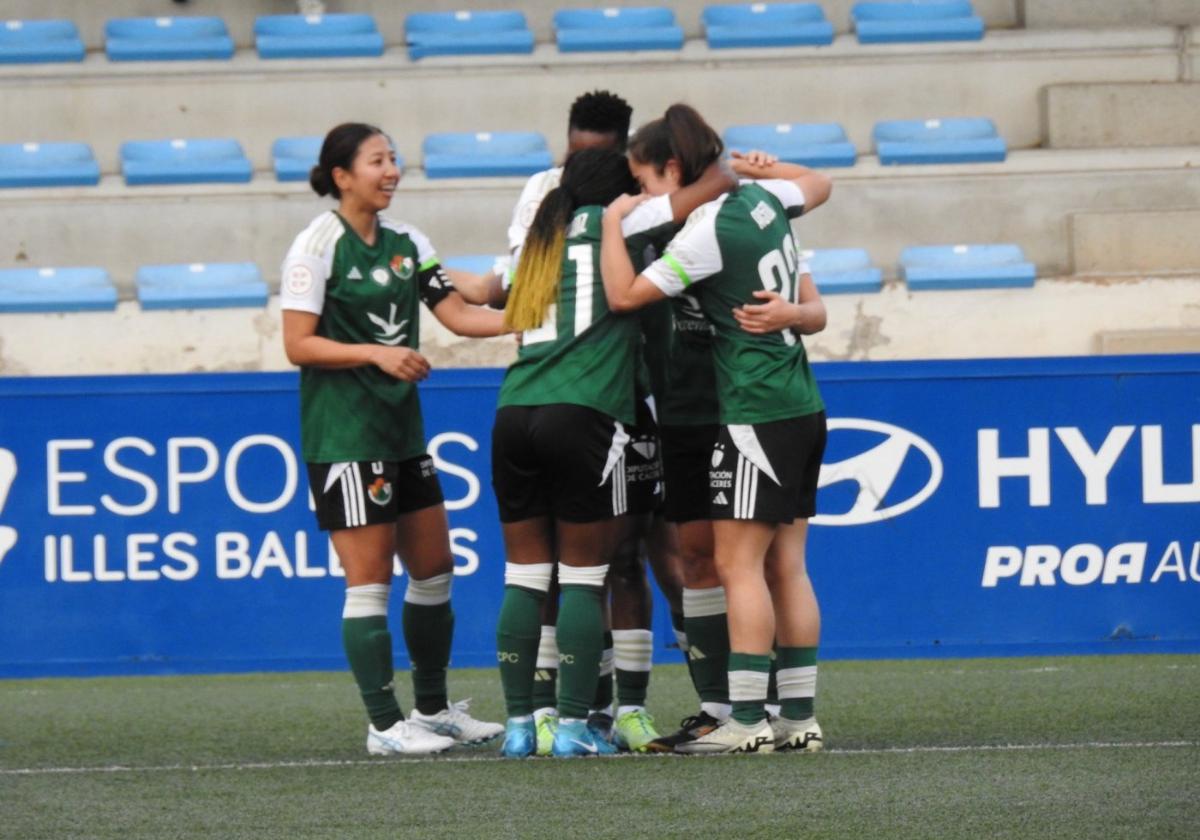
(403,267)
(762,214)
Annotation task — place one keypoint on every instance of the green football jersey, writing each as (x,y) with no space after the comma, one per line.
(364,294)
(679,356)
(584,354)
(730,248)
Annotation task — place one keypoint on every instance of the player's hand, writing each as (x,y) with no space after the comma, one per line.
(773,315)
(623,205)
(401,362)
(751,163)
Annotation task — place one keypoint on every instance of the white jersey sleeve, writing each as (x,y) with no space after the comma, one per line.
(527,205)
(650,214)
(693,255)
(308,263)
(788,192)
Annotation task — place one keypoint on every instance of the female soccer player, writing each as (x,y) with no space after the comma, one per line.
(764,464)
(559,438)
(351,284)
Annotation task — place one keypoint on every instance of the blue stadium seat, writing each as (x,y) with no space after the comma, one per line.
(812,144)
(843,271)
(39,41)
(933,267)
(56,290)
(467,155)
(48,165)
(625,28)
(167,39)
(955,140)
(766,25)
(184,162)
(295,157)
(467,33)
(200,286)
(916,20)
(317,36)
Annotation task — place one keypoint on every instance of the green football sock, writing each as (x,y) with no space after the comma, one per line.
(518,630)
(580,645)
(545,678)
(428,632)
(797,681)
(604,682)
(708,643)
(748,676)
(368,647)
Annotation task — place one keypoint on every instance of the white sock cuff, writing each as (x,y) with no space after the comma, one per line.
(797,682)
(701,603)
(681,639)
(529,575)
(547,655)
(748,686)
(429,592)
(582,575)
(633,650)
(365,601)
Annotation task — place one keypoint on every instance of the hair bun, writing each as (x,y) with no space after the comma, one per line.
(320,180)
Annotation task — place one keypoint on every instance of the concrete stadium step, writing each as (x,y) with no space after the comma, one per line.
(1123,114)
(848,83)
(1136,242)
(1060,316)
(239,15)
(1091,13)
(1027,200)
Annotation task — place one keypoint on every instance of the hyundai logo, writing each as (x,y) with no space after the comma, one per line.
(875,470)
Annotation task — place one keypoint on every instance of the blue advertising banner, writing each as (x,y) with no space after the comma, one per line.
(162,524)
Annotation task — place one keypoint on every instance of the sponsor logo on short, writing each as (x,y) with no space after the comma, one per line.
(646,447)
(720,499)
(875,470)
(718,455)
(380,491)
(428,468)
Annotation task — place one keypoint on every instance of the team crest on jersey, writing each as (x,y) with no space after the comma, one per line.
(380,491)
(763,215)
(403,267)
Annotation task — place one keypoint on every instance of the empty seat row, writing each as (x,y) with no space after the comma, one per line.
(484,154)
(921,267)
(492,32)
(188,286)
(224,285)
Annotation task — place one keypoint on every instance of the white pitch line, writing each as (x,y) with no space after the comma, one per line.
(466,759)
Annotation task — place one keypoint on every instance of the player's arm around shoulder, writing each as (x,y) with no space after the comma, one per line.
(804,316)
(815,187)
(624,289)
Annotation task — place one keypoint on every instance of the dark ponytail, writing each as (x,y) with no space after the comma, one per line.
(682,135)
(338,150)
(590,177)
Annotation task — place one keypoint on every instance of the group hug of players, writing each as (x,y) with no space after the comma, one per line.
(661,406)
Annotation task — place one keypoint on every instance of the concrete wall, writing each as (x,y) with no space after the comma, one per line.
(1128,114)
(1027,200)
(1056,14)
(1136,241)
(1067,317)
(854,85)
(239,15)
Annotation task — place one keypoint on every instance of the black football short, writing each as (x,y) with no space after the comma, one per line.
(357,493)
(686,452)
(565,461)
(767,472)
(643,463)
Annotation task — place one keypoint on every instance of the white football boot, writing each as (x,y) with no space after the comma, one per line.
(406,738)
(454,722)
(732,737)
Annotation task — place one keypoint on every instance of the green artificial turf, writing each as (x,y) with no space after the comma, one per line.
(1093,747)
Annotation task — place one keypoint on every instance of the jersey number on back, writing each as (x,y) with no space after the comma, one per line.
(584,258)
(777,270)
